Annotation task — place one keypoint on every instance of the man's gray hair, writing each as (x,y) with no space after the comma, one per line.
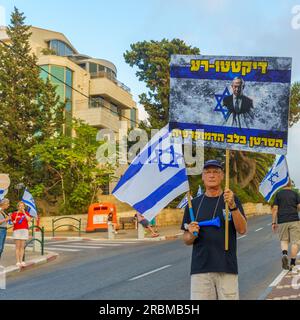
(241,79)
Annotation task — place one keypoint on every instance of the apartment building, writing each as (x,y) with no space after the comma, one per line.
(89,86)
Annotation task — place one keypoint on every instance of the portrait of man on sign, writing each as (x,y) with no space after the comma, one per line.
(239,106)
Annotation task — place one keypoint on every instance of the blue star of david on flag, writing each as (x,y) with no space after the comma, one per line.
(166,158)
(219,107)
(272,176)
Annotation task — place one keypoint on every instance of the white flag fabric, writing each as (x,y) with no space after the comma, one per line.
(183,203)
(276,178)
(155,177)
(29,201)
(3,192)
(199,192)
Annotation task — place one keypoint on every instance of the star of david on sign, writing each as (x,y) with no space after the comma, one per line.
(272,176)
(219,107)
(167,158)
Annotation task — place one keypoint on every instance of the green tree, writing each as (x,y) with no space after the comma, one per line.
(294,104)
(152,58)
(29,108)
(72,175)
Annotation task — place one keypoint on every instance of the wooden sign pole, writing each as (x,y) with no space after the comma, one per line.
(226,204)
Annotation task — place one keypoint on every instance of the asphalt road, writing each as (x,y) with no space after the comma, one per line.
(147,270)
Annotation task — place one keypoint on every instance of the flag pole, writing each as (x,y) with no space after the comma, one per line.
(226,204)
(192,216)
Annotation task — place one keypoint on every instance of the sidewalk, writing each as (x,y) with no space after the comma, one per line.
(165,233)
(32,259)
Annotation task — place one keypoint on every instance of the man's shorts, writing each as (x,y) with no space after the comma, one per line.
(145,223)
(214,286)
(290,232)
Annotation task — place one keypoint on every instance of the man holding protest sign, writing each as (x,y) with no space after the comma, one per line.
(200,100)
(214,271)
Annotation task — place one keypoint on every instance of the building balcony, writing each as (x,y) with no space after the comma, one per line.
(99,117)
(111,88)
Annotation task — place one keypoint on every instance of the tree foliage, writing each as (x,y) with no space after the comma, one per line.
(72,175)
(29,108)
(152,58)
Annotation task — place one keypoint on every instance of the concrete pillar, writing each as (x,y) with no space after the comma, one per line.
(141,231)
(110,229)
(37,247)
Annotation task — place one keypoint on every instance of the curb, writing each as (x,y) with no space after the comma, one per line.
(161,238)
(10,270)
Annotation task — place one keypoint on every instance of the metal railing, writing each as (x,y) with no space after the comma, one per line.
(54,228)
(111,77)
(41,241)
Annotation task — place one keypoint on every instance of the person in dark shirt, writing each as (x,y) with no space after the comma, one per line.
(285,218)
(214,271)
(240,107)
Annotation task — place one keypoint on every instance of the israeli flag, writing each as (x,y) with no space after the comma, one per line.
(155,177)
(3,193)
(183,203)
(199,192)
(276,178)
(29,201)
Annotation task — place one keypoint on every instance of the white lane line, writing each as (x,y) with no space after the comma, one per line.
(241,237)
(258,229)
(58,242)
(150,272)
(61,249)
(73,246)
(269,224)
(100,244)
(279,278)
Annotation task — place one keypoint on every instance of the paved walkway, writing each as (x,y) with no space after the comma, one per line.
(8,259)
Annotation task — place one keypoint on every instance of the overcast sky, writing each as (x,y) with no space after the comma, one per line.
(105,29)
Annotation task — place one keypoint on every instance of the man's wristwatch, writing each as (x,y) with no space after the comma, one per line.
(186,227)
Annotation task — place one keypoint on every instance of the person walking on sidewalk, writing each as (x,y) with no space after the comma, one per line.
(285,218)
(4,205)
(214,271)
(20,220)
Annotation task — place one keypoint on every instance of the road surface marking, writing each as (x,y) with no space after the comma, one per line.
(100,244)
(57,242)
(150,272)
(279,278)
(269,224)
(61,249)
(74,246)
(258,229)
(241,237)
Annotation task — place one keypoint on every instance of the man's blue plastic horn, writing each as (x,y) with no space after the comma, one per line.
(214,223)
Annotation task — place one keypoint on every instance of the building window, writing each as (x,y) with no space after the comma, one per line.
(61,48)
(82,65)
(96,102)
(105,186)
(92,67)
(133,118)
